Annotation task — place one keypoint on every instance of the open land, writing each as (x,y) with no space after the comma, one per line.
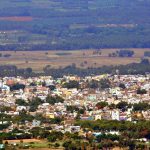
(41,144)
(16,18)
(34,144)
(82,58)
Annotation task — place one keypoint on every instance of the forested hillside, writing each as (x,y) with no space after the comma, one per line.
(74,24)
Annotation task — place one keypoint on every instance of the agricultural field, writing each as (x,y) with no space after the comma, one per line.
(81,58)
(74,24)
(32,144)
(37,144)
(22,19)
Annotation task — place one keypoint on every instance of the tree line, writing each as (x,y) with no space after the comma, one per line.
(133,68)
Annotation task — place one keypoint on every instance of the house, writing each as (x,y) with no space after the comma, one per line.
(2,146)
(49,115)
(36,123)
(98,117)
(72,129)
(106,115)
(20,108)
(115,115)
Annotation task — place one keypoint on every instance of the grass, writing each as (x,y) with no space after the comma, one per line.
(36,144)
(82,58)
(43,145)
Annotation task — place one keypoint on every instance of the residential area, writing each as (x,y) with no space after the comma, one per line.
(92,112)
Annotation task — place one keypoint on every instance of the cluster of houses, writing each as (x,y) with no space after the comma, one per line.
(86,98)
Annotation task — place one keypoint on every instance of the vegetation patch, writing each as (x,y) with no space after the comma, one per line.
(63,54)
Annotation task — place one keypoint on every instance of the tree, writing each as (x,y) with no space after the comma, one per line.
(29,70)
(17,87)
(93,84)
(37,132)
(147,53)
(34,103)
(54,99)
(21,143)
(122,105)
(141,106)
(54,135)
(72,108)
(121,85)
(71,84)
(112,106)
(145,61)
(126,53)
(69,145)
(5,108)
(56,145)
(66,144)
(101,105)
(56,120)
(131,144)
(23,116)
(52,138)
(104,84)
(52,87)
(21,102)
(141,91)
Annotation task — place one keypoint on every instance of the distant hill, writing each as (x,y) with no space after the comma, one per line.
(74,24)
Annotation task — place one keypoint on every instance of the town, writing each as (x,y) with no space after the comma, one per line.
(108,110)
